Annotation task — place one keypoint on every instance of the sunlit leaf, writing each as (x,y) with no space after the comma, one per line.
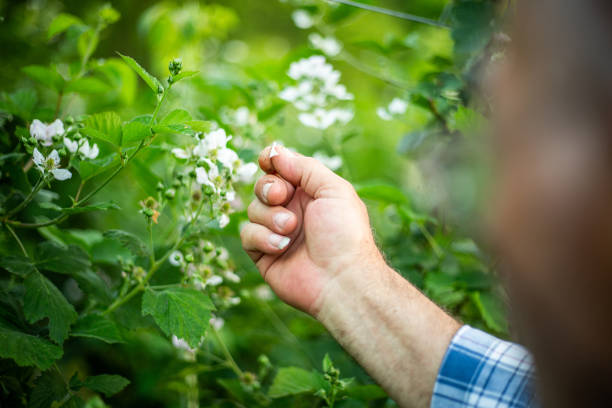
(61,23)
(45,76)
(149,79)
(182,312)
(295,380)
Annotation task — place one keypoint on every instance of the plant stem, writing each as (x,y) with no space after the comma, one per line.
(159,104)
(18,240)
(230,360)
(152,247)
(58,104)
(154,266)
(27,200)
(431,240)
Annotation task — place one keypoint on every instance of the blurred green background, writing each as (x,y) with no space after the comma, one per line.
(421,174)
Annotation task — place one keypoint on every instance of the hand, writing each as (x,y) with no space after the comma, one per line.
(308,227)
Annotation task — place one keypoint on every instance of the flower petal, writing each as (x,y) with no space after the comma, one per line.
(61,174)
(38,158)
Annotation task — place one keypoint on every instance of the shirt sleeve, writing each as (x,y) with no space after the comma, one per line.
(480,370)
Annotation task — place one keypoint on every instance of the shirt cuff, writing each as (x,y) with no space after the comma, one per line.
(480,370)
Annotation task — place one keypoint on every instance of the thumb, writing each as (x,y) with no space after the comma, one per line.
(310,174)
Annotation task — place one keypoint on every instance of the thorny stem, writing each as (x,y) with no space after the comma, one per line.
(18,240)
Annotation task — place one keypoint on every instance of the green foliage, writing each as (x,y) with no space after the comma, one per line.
(133,265)
(179,311)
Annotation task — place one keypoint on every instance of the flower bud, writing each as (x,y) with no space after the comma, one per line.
(169,193)
(189,257)
(160,186)
(208,247)
(175,66)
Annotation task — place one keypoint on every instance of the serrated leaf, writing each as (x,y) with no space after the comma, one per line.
(97,327)
(134,132)
(27,350)
(385,193)
(61,259)
(88,85)
(129,241)
(42,299)
(61,23)
(17,265)
(149,79)
(295,380)
(45,76)
(91,168)
(106,384)
(105,126)
(176,117)
(179,311)
(48,388)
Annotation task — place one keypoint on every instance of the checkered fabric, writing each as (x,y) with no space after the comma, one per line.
(480,370)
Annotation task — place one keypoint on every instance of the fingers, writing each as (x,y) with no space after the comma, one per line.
(317,180)
(277,219)
(257,240)
(273,190)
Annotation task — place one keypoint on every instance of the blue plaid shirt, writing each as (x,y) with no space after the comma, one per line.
(480,370)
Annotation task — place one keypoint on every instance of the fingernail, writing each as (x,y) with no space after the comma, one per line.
(273,150)
(279,241)
(281,219)
(265,189)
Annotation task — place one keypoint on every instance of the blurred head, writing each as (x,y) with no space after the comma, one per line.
(553,204)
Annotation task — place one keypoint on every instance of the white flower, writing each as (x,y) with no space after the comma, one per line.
(180,153)
(223,255)
(89,152)
(176,258)
(230,195)
(329,45)
(217,322)
(181,344)
(224,219)
(264,292)
(227,157)
(234,300)
(398,106)
(44,133)
(50,163)
(383,113)
(246,172)
(203,177)
(214,280)
(322,119)
(241,116)
(71,145)
(332,162)
(217,139)
(231,276)
(302,19)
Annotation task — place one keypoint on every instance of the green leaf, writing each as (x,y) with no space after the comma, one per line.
(62,259)
(367,392)
(150,80)
(45,76)
(183,75)
(199,125)
(91,168)
(106,384)
(492,311)
(327,363)
(61,23)
(97,327)
(88,85)
(49,388)
(471,26)
(42,299)
(134,132)
(466,121)
(176,117)
(18,265)
(105,126)
(385,193)
(179,311)
(87,43)
(295,380)
(27,350)
(129,241)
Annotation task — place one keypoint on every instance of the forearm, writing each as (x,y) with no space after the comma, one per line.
(396,333)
